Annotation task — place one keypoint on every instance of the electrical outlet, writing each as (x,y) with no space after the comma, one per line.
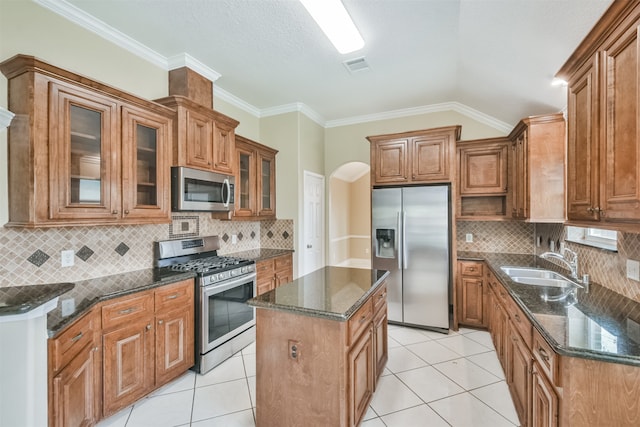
(469,238)
(68,306)
(294,350)
(67,258)
(633,269)
(234,239)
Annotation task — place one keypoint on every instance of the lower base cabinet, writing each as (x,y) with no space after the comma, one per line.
(544,400)
(519,374)
(273,272)
(361,375)
(76,390)
(120,351)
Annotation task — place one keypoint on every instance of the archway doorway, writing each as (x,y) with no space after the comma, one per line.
(350,216)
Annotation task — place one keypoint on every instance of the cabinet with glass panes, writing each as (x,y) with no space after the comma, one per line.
(255,185)
(85,152)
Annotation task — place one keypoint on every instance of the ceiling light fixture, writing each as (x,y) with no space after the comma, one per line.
(336,23)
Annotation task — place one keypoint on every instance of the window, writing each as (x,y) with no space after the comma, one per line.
(596,237)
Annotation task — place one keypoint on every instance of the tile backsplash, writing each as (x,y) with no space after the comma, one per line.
(33,256)
(604,267)
(495,236)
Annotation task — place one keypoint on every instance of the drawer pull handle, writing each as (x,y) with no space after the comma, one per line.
(160,322)
(126,311)
(77,337)
(362,319)
(174,296)
(381,296)
(543,353)
(517,317)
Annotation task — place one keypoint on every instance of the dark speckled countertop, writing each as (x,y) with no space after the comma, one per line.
(260,254)
(333,293)
(599,325)
(86,293)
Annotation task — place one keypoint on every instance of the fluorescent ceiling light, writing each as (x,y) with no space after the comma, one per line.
(336,23)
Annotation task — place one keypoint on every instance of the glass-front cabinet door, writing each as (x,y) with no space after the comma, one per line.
(245,185)
(266,184)
(83,154)
(145,178)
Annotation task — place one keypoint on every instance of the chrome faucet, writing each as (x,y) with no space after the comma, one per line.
(572,264)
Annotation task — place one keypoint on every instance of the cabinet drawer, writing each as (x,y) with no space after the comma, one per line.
(264,267)
(520,321)
(127,309)
(471,268)
(175,295)
(283,262)
(360,320)
(546,357)
(74,338)
(380,298)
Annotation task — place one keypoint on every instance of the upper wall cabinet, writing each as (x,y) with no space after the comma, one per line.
(255,196)
(603,121)
(483,179)
(417,157)
(81,152)
(203,138)
(537,169)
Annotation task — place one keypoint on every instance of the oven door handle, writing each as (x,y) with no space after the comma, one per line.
(228,284)
(227,189)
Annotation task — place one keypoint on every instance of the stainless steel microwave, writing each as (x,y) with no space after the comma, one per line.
(198,190)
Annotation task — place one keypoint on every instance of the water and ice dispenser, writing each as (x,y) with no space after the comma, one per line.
(385,243)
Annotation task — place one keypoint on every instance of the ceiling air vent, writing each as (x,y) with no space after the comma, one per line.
(356,65)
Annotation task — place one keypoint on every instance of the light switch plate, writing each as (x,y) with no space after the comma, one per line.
(633,269)
(67,258)
(469,238)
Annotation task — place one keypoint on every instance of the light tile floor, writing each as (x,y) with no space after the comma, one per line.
(430,380)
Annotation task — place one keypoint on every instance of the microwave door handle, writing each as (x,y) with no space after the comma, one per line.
(227,187)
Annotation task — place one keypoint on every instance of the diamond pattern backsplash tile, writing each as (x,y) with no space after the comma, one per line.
(84,253)
(277,234)
(607,268)
(122,249)
(38,258)
(495,236)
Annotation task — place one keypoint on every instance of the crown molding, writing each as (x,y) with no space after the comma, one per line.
(78,16)
(425,109)
(186,60)
(5,117)
(219,93)
(96,26)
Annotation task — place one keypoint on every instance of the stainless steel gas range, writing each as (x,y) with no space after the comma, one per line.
(224,322)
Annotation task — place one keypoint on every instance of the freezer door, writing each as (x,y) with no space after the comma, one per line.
(426,256)
(386,244)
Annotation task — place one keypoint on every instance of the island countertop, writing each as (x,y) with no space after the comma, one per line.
(331,292)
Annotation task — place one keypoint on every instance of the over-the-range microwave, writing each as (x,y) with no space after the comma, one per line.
(198,190)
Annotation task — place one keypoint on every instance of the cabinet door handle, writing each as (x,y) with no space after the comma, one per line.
(77,337)
(95,349)
(126,311)
(543,353)
(126,211)
(160,322)
(517,317)
(174,296)
(148,327)
(114,212)
(362,319)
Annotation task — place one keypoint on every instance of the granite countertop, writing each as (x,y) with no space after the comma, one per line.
(333,293)
(22,299)
(260,254)
(599,325)
(86,293)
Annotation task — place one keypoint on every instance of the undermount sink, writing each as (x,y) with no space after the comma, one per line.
(538,277)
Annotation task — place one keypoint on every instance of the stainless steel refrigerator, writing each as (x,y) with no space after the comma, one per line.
(411,237)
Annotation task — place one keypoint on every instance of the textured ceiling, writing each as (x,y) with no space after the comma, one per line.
(495,56)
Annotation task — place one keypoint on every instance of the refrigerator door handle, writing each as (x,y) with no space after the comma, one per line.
(399,255)
(405,252)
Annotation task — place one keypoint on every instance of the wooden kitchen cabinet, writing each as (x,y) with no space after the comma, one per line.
(482,170)
(203,138)
(361,376)
(380,341)
(544,400)
(255,196)
(518,373)
(75,377)
(471,294)
(537,162)
(82,152)
(603,147)
(273,272)
(416,157)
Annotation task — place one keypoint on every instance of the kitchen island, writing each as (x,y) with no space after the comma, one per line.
(321,344)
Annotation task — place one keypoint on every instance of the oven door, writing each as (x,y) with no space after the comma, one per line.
(225,312)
